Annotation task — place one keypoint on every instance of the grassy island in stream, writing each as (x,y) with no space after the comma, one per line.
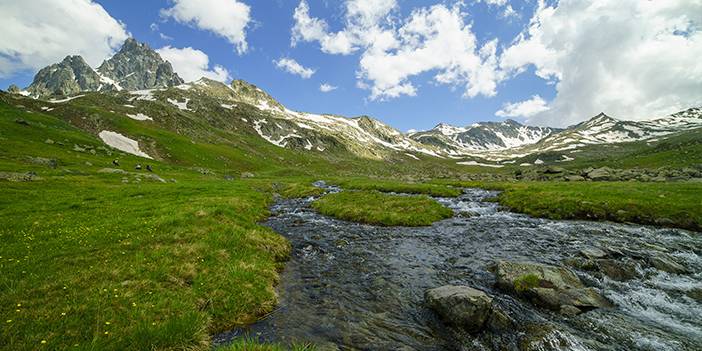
(672,204)
(374,207)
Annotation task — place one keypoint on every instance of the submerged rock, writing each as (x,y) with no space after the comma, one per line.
(666,264)
(593,253)
(556,288)
(461,306)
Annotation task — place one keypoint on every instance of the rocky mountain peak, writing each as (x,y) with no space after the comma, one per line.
(136,67)
(68,77)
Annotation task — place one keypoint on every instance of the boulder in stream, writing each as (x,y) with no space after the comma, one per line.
(556,288)
(461,306)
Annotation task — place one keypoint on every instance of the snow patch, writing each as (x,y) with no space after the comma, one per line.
(474,163)
(140,117)
(65,100)
(181,105)
(122,143)
(145,95)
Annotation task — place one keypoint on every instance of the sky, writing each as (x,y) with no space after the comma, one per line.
(410,63)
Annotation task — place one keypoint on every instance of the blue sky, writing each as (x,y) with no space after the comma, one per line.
(532,81)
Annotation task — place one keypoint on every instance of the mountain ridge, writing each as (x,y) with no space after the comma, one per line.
(138,69)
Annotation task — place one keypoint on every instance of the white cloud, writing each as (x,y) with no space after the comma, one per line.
(30,42)
(226,18)
(432,39)
(192,64)
(325,88)
(631,59)
(526,108)
(291,66)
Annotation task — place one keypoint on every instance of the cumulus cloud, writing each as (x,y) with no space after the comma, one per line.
(226,18)
(325,88)
(431,39)
(631,59)
(30,42)
(192,64)
(526,108)
(291,66)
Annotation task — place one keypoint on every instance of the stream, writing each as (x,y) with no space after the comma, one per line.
(351,286)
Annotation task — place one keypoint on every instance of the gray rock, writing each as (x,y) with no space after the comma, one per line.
(247,175)
(48,162)
(574,178)
(549,276)
(592,253)
(461,306)
(666,264)
(554,170)
(112,171)
(49,141)
(617,270)
(599,174)
(548,286)
(19,177)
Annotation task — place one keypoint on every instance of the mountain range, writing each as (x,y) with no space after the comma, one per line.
(139,78)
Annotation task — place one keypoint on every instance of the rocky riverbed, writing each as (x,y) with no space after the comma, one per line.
(531,284)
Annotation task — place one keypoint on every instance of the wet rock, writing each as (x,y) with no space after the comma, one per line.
(546,338)
(666,264)
(695,294)
(548,286)
(570,311)
(461,306)
(592,253)
(499,321)
(509,273)
(617,270)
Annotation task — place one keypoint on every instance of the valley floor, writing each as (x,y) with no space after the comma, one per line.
(91,262)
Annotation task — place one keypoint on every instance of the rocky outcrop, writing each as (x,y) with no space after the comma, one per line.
(136,67)
(69,77)
(556,288)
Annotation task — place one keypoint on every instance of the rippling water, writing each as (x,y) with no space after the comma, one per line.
(351,286)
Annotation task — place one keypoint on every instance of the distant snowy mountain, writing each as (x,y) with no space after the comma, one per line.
(603,129)
(484,136)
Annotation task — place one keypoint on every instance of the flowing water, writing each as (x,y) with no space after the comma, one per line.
(352,286)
